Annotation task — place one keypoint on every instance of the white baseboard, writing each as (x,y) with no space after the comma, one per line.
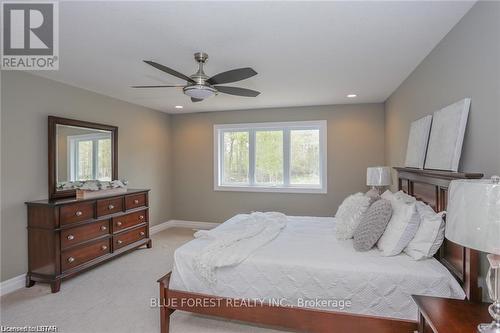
(13,284)
(182,224)
(18,282)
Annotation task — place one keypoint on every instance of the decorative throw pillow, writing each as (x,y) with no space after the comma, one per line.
(401,228)
(373,199)
(349,214)
(372,225)
(429,236)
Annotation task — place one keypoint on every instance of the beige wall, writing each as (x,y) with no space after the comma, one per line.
(466,63)
(355,141)
(27,100)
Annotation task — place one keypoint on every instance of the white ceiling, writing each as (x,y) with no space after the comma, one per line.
(306,53)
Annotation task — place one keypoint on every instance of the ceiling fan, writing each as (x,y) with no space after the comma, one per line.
(199,86)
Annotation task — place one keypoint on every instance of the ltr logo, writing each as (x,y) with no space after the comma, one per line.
(30,35)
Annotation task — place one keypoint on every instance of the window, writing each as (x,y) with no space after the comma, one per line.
(89,157)
(271,157)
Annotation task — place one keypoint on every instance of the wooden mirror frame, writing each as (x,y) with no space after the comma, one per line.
(53,122)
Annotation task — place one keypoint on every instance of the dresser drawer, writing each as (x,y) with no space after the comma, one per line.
(76,212)
(129,220)
(78,256)
(129,237)
(135,200)
(109,206)
(70,237)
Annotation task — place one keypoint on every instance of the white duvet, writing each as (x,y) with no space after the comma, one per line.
(305,264)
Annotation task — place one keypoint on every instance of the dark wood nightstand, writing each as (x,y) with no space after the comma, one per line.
(443,315)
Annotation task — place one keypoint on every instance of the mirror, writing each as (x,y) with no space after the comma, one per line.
(80,151)
(82,154)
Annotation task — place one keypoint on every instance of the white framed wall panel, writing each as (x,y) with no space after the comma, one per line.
(417,142)
(447,136)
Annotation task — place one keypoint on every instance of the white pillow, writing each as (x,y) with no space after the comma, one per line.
(439,238)
(429,236)
(349,215)
(401,228)
(400,195)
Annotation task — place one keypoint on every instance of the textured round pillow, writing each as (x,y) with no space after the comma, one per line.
(349,215)
(372,225)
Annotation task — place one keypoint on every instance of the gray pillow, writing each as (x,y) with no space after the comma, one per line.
(372,225)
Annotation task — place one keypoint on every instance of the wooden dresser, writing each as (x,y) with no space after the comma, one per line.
(67,236)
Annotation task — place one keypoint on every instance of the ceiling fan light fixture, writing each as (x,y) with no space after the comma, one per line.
(199,91)
(199,86)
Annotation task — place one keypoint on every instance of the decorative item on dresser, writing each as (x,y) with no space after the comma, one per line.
(67,236)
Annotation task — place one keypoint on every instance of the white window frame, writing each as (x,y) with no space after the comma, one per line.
(286,127)
(73,153)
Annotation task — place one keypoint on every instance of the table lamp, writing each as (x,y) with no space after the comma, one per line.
(378,177)
(473,221)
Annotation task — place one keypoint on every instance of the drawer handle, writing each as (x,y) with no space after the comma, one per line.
(71,259)
(141,217)
(71,237)
(104,247)
(119,241)
(110,207)
(78,213)
(142,233)
(103,227)
(118,223)
(136,201)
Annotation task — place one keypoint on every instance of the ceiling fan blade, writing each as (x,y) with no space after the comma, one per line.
(194,100)
(169,71)
(232,76)
(237,91)
(163,86)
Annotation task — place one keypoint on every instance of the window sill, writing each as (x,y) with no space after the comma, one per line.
(304,190)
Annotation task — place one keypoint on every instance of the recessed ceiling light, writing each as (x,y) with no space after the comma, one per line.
(352,95)
(178,106)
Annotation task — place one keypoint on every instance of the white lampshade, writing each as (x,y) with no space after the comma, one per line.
(378,176)
(473,217)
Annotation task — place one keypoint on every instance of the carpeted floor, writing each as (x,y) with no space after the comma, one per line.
(114,297)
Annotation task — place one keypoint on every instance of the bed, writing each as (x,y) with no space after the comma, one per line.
(321,284)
